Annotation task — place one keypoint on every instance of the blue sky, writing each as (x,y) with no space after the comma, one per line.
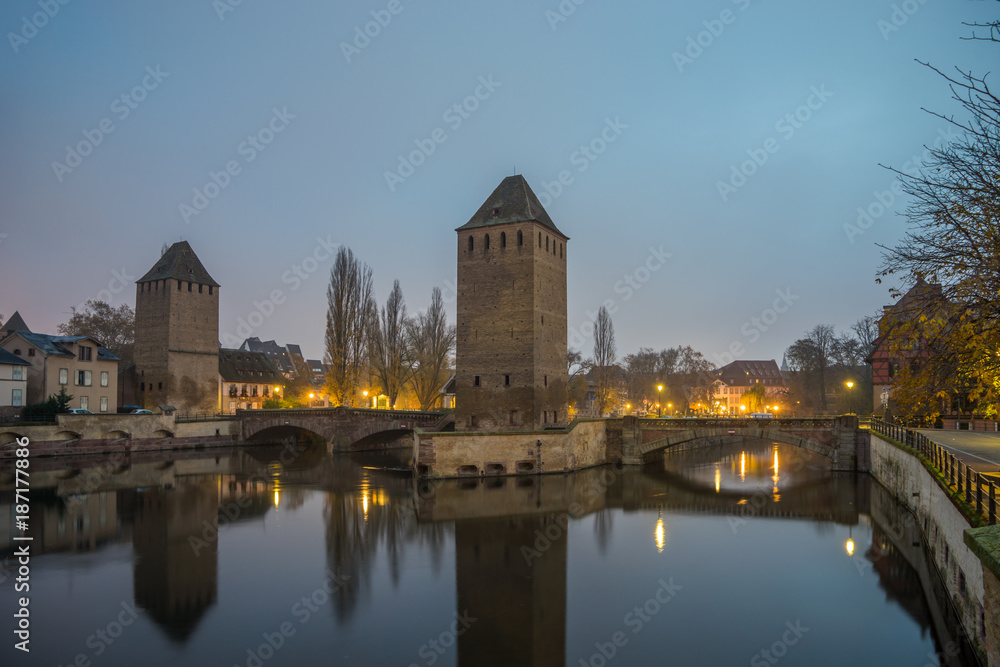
(309,128)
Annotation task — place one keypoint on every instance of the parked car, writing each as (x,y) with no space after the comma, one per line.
(142,411)
(79,411)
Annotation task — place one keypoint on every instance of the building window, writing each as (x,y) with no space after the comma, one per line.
(520,237)
(546,244)
(17,351)
(159,385)
(545,416)
(142,386)
(85,353)
(506,380)
(178,286)
(232,407)
(104,378)
(487,241)
(104,403)
(560,251)
(546,380)
(15,398)
(189,286)
(539,239)
(496,212)
(503,239)
(18,373)
(473,421)
(84,402)
(555,416)
(84,378)
(471,244)
(475,381)
(31,351)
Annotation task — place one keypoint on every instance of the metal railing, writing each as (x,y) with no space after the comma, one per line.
(978,492)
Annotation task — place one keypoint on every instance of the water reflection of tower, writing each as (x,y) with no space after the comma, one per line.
(175,579)
(520,608)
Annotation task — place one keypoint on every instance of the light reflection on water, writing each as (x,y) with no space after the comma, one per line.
(218,552)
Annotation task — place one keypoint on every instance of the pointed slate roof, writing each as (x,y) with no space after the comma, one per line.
(179,263)
(512,201)
(15,323)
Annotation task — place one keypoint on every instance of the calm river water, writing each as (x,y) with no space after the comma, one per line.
(750,554)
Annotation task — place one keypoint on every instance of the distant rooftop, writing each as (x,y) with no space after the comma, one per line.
(512,201)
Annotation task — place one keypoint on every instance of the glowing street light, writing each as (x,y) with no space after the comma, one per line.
(849,546)
(659,388)
(850,395)
(659,534)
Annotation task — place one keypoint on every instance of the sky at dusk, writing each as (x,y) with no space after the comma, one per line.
(703,157)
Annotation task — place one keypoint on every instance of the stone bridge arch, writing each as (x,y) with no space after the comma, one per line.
(835,438)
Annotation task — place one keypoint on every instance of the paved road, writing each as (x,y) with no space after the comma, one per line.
(980,449)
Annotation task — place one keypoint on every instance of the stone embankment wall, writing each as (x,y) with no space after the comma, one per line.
(95,434)
(583,445)
(971,585)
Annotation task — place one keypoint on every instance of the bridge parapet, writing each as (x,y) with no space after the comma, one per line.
(341,428)
(833,437)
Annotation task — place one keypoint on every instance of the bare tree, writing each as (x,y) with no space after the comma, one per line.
(114,328)
(577,368)
(811,356)
(430,343)
(388,346)
(605,356)
(954,242)
(350,315)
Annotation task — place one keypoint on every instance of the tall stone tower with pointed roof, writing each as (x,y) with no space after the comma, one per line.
(511,333)
(177,334)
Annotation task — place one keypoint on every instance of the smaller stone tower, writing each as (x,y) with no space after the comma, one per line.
(177,334)
(510,354)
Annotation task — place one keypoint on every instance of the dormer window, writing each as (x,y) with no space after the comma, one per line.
(496,212)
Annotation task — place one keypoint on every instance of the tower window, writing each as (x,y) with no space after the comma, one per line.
(496,212)
(189,286)
(142,386)
(159,385)
(471,244)
(560,251)
(178,286)
(520,237)
(546,244)
(506,380)
(546,380)
(199,288)
(475,381)
(503,239)
(473,421)
(487,241)
(539,239)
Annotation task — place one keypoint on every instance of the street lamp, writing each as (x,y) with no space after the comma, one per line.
(670,408)
(659,388)
(850,396)
(365,394)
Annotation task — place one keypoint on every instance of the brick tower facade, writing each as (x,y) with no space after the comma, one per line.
(177,334)
(510,362)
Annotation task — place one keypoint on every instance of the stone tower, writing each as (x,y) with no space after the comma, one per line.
(177,334)
(511,345)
